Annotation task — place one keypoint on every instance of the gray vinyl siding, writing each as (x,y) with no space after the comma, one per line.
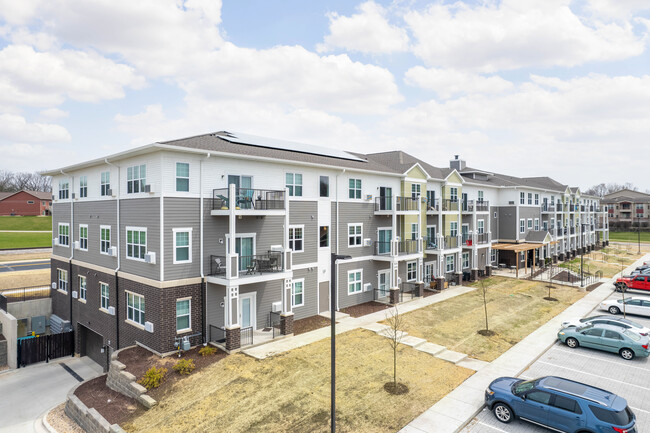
(508,223)
(306,213)
(358,213)
(267,293)
(269,231)
(528,213)
(215,229)
(493,222)
(182,213)
(214,310)
(141,212)
(61,214)
(96,214)
(370,269)
(310,293)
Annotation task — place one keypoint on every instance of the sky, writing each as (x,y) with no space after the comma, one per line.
(554,88)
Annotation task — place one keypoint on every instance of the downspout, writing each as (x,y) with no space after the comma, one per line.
(336,266)
(204,285)
(71,241)
(117,281)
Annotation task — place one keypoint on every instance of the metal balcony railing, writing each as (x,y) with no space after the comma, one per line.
(548,207)
(468,206)
(249,265)
(433,204)
(217,265)
(248,198)
(450,242)
(482,238)
(465,237)
(409,246)
(482,206)
(430,243)
(450,204)
(385,203)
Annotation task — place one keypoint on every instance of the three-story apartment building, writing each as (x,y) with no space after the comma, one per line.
(627,208)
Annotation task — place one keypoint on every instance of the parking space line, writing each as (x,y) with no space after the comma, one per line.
(492,427)
(603,359)
(640,410)
(591,374)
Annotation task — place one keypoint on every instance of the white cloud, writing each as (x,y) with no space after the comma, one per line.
(367,31)
(512,34)
(16,128)
(54,113)
(617,9)
(449,82)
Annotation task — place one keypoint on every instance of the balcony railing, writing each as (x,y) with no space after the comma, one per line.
(430,243)
(385,203)
(468,206)
(450,242)
(248,198)
(482,238)
(482,206)
(546,207)
(450,204)
(559,207)
(573,230)
(433,204)
(466,237)
(249,265)
(409,246)
(217,265)
(582,208)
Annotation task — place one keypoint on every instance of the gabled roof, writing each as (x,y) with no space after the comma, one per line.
(401,162)
(3,195)
(538,236)
(626,199)
(40,195)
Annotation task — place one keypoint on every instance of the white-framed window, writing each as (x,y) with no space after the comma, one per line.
(522,225)
(537,199)
(545,225)
(536,223)
(182,245)
(453,228)
(480,196)
(493,256)
(64,189)
(354,281)
(552,223)
(465,260)
(136,243)
(183,316)
(415,191)
(82,288)
(136,178)
(411,271)
(324,186)
(415,231)
(324,236)
(453,194)
(355,234)
(182,177)
(530,223)
(104,239)
(64,234)
(522,198)
(294,183)
(480,226)
(62,276)
(530,198)
(104,296)
(105,183)
(354,188)
(135,308)
(83,186)
(296,242)
(83,237)
(298,293)
(449,263)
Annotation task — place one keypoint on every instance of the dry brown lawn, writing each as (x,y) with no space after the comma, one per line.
(17,279)
(290,392)
(515,309)
(23,256)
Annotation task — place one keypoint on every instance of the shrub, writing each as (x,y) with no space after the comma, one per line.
(207,350)
(184,366)
(153,377)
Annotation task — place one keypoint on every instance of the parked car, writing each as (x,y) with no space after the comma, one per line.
(609,338)
(608,320)
(637,282)
(559,404)
(640,272)
(632,306)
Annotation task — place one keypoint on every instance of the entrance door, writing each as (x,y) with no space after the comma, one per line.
(383,241)
(383,283)
(429,272)
(247,310)
(386,200)
(465,233)
(465,201)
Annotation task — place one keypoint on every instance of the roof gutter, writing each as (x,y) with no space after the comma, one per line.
(117,281)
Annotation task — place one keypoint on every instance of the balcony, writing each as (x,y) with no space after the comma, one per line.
(548,207)
(430,243)
(482,206)
(559,207)
(248,201)
(450,242)
(482,238)
(573,230)
(433,205)
(449,205)
(582,208)
(247,266)
(393,248)
(385,204)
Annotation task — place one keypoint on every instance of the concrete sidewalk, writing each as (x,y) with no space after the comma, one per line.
(461,405)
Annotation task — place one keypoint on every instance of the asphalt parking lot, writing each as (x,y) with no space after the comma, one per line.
(629,379)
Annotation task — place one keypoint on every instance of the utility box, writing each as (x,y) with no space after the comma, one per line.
(38,325)
(185,344)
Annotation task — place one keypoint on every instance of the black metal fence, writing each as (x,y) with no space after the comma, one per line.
(246,336)
(407,288)
(385,203)
(248,198)
(31,350)
(275,320)
(26,293)
(3,303)
(217,334)
(217,265)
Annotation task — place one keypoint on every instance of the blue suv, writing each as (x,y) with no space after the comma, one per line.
(559,404)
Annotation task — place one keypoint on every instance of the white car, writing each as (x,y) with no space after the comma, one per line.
(632,306)
(608,320)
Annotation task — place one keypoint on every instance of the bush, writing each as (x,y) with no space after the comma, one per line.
(207,350)
(153,377)
(184,366)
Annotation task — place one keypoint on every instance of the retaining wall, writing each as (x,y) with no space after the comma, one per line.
(9,326)
(125,383)
(88,419)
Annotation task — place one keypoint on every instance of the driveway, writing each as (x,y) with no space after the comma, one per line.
(28,392)
(629,379)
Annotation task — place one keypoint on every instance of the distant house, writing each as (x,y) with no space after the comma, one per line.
(627,208)
(25,203)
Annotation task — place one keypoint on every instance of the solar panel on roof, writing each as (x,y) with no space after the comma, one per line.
(253,140)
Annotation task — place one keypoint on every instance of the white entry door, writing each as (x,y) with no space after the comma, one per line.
(430,271)
(247,311)
(383,283)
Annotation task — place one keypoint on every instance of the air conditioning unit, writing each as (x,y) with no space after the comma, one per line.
(74,195)
(148,326)
(111,311)
(76,245)
(511,202)
(109,191)
(55,241)
(276,307)
(54,286)
(74,294)
(367,242)
(367,287)
(277,248)
(148,188)
(150,258)
(112,251)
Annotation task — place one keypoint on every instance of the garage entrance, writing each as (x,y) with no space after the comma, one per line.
(91,344)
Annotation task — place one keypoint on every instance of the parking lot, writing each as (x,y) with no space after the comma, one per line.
(628,379)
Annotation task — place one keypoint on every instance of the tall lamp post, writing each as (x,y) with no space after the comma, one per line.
(335,257)
(582,254)
(638,229)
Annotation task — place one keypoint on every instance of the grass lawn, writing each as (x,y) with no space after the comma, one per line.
(18,279)
(609,269)
(629,236)
(291,392)
(26,223)
(10,241)
(515,309)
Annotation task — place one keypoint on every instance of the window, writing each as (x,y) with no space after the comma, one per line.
(536,223)
(537,199)
(324,236)
(64,234)
(182,176)
(522,225)
(294,183)
(545,225)
(30,201)
(136,243)
(480,196)
(493,256)
(552,223)
(530,223)
(449,262)
(104,239)
(104,295)
(105,183)
(354,235)
(297,294)
(183,322)
(411,271)
(324,186)
(612,334)
(415,191)
(354,188)
(182,245)
(539,397)
(415,231)
(83,186)
(480,226)
(296,239)
(431,199)
(354,281)
(465,260)
(453,194)
(530,198)
(63,280)
(64,189)
(522,198)
(83,237)
(135,308)
(82,288)
(136,179)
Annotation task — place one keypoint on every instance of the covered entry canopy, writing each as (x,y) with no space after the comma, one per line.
(518,248)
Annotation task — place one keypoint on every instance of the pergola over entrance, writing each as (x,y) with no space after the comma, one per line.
(518,248)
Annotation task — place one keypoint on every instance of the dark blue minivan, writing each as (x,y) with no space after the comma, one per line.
(559,404)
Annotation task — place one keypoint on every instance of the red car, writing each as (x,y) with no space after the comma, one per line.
(638,282)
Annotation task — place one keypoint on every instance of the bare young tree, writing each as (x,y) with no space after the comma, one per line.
(621,260)
(394,332)
(484,289)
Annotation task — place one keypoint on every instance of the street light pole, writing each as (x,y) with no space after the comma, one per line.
(335,257)
(638,229)
(582,255)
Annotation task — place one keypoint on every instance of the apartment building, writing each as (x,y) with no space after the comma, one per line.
(227,237)
(627,208)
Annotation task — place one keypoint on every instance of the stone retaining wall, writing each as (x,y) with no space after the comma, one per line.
(125,383)
(3,352)
(89,420)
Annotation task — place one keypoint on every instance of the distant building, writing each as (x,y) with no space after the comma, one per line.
(25,203)
(627,208)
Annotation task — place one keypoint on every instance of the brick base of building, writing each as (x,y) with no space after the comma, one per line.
(393,296)
(286,324)
(458,278)
(554,258)
(488,271)
(419,289)
(233,338)
(440,283)
(474,275)
(561,257)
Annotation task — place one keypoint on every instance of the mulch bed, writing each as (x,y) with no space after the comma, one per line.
(593,286)
(309,324)
(365,308)
(113,406)
(430,292)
